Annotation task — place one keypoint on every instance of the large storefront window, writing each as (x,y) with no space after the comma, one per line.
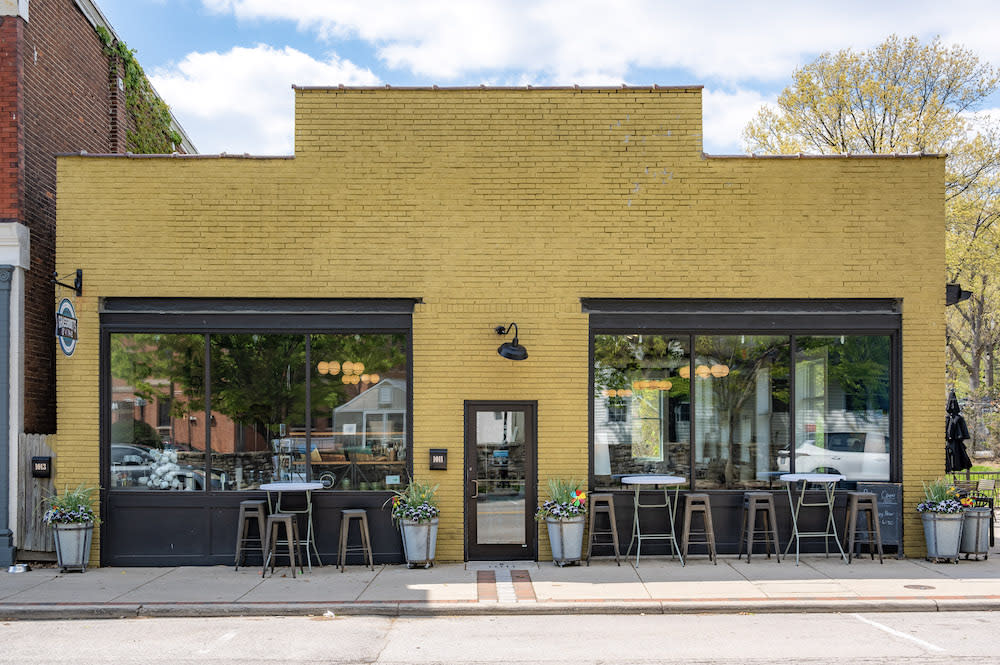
(280,407)
(842,406)
(157,398)
(642,405)
(735,410)
(741,397)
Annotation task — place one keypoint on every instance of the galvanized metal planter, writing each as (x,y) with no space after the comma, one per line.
(566,539)
(419,542)
(976,533)
(73,545)
(943,534)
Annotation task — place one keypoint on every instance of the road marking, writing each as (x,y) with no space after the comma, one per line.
(927,645)
(225,637)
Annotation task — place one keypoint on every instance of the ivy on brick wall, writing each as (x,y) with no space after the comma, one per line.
(153,133)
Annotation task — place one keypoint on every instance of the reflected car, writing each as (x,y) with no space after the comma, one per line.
(856,455)
(129,462)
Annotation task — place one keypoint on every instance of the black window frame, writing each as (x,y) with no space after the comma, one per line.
(205,316)
(726,316)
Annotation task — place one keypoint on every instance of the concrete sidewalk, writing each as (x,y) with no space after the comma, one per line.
(657,585)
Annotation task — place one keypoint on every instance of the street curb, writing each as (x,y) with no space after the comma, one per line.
(56,611)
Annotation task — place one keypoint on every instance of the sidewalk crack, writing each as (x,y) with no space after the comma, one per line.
(136,588)
(370,582)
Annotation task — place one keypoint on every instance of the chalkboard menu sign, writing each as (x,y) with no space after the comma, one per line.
(890,511)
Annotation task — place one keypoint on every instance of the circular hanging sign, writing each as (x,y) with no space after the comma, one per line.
(66,326)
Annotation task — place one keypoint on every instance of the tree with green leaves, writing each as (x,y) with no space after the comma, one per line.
(903,96)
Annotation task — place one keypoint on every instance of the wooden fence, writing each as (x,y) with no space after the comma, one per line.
(32,535)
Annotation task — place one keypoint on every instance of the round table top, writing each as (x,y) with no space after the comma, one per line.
(812,477)
(291,487)
(652,479)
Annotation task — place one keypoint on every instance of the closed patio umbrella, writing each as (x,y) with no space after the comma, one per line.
(956,458)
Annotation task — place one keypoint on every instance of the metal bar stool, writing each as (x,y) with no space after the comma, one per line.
(365,548)
(251,511)
(604,504)
(862,502)
(753,503)
(699,503)
(291,526)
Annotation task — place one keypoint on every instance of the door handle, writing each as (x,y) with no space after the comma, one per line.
(476,495)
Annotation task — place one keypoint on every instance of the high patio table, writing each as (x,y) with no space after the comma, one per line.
(308,488)
(825,481)
(671,509)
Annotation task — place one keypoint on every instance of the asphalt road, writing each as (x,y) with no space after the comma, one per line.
(944,637)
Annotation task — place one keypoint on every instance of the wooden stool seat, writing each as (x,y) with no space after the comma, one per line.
(291,526)
(604,504)
(699,503)
(862,503)
(365,548)
(251,512)
(763,503)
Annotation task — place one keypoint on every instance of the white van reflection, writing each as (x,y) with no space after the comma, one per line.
(856,455)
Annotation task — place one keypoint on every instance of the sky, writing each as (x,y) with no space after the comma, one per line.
(226,67)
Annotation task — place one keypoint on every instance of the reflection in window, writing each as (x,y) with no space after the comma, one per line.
(353,435)
(157,396)
(500,477)
(641,406)
(741,398)
(739,386)
(842,406)
(258,403)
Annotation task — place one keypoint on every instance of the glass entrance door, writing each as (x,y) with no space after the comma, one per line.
(500,480)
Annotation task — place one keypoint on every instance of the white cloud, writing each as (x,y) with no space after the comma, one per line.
(241,100)
(587,41)
(726,114)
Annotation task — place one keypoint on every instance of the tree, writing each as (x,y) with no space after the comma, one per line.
(905,97)
(898,97)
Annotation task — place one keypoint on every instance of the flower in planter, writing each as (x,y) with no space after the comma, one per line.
(940,497)
(567,500)
(71,507)
(415,503)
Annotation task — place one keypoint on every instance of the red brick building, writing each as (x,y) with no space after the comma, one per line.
(62,89)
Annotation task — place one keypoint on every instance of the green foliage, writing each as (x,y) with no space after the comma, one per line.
(939,490)
(135,431)
(567,500)
(257,379)
(417,502)
(900,96)
(156,365)
(154,133)
(904,96)
(564,490)
(71,507)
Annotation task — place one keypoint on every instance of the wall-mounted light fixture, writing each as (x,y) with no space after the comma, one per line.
(511,350)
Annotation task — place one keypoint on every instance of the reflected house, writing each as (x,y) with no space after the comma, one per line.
(375,419)
(723,319)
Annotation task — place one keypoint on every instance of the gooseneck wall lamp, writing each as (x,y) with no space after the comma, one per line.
(511,350)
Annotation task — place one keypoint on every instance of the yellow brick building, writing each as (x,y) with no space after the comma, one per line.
(592,219)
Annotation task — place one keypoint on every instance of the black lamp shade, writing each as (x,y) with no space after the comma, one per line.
(510,350)
(513,350)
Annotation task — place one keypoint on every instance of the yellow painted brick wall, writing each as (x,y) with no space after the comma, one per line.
(507,205)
